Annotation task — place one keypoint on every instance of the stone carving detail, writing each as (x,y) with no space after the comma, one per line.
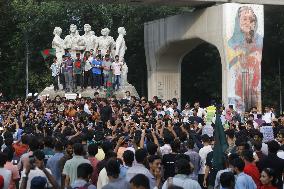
(106,43)
(120,43)
(58,44)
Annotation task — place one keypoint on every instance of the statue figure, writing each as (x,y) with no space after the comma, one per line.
(105,43)
(124,71)
(89,37)
(120,43)
(74,42)
(58,44)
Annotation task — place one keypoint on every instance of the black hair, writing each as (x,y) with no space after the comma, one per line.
(271,173)
(190,143)
(151,148)
(106,146)
(230,133)
(78,149)
(113,168)
(140,155)
(10,153)
(245,144)
(58,146)
(25,139)
(183,156)
(3,159)
(128,157)
(48,142)
(175,145)
(84,170)
(33,143)
(205,138)
(239,164)
(152,158)
(93,149)
(183,166)
(257,145)
(140,180)
(110,154)
(8,141)
(227,179)
(39,154)
(273,147)
(7,134)
(248,155)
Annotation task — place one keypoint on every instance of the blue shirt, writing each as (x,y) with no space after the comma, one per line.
(96,66)
(244,181)
(53,165)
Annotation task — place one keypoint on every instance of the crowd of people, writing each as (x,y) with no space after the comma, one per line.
(109,143)
(92,70)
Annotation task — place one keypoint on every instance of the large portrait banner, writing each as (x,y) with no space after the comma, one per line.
(243,42)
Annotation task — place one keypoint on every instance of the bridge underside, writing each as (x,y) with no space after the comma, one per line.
(193,3)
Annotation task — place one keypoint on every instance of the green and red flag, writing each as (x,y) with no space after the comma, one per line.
(48,52)
(220,144)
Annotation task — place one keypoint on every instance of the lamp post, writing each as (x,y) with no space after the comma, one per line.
(27,63)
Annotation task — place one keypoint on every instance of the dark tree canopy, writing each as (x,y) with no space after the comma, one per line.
(33,22)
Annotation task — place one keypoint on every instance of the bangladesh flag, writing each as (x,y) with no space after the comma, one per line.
(220,144)
(109,85)
(48,52)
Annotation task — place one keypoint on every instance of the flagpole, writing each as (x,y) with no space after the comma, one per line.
(27,64)
(280,85)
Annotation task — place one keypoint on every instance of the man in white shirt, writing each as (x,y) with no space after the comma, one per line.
(201,112)
(203,154)
(116,69)
(268,116)
(182,178)
(6,174)
(34,170)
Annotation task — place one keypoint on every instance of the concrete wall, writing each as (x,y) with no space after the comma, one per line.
(168,40)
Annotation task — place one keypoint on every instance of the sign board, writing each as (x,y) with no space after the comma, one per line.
(211,110)
(267,132)
(71,96)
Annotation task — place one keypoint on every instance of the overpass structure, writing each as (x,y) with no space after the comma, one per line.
(193,3)
(234,28)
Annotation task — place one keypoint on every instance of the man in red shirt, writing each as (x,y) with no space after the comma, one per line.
(22,146)
(250,167)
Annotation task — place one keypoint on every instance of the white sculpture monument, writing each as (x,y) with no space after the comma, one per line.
(89,37)
(58,44)
(124,72)
(74,42)
(120,46)
(105,43)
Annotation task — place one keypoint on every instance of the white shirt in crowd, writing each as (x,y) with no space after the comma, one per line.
(35,173)
(6,174)
(268,117)
(200,112)
(182,181)
(203,154)
(166,149)
(88,65)
(102,179)
(116,66)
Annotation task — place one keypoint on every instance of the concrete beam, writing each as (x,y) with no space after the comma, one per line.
(193,3)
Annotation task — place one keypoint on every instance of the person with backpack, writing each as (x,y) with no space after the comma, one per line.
(84,174)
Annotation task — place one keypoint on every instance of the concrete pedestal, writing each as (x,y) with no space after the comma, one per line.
(89,92)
